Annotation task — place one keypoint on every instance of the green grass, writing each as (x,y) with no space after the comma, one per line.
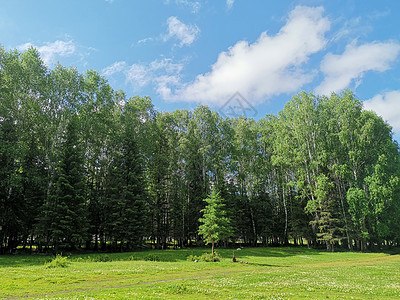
(271,273)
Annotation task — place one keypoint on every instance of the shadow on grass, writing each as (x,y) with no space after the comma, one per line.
(23,260)
(267,265)
(170,255)
(182,254)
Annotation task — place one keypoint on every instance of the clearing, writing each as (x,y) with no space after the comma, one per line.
(271,273)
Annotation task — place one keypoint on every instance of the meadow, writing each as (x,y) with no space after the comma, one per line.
(269,273)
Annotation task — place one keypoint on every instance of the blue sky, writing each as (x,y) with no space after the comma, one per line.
(183,53)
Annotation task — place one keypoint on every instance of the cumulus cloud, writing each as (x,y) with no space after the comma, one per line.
(186,34)
(270,66)
(386,105)
(341,70)
(229,3)
(50,51)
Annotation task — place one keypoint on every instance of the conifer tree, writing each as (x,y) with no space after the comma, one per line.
(216,226)
(65,212)
(126,216)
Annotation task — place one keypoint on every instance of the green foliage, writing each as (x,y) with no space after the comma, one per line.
(216,226)
(359,210)
(125,215)
(58,262)
(132,258)
(82,165)
(65,215)
(206,257)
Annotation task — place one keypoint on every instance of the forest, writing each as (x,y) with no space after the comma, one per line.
(83,166)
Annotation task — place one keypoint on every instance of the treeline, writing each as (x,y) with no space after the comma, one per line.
(82,166)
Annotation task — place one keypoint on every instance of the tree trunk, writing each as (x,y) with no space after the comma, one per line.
(253,223)
(286,214)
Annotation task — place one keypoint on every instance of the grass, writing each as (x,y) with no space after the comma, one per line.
(271,273)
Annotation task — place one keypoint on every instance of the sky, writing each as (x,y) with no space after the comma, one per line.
(255,54)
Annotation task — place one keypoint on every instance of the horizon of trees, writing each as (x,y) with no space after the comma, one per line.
(82,166)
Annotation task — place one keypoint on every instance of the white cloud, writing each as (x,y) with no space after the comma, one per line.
(229,3)
(341,70)
(194,6)
(387,106)
(164,81)
(167,65)
(50,51)
(186,34)
(270,66)
(350,29)
(145,41)
(159,72)
(138,75)
(116,67)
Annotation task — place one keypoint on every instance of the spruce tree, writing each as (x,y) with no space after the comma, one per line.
(65,212)
(126,216)
(216,226)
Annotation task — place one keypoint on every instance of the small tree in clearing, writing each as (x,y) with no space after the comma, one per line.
(216,226)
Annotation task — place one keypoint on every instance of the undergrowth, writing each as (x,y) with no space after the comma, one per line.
(58,262)
(206,257)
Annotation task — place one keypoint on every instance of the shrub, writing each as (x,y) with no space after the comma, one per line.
(58,262)
(207,257)
(193,258)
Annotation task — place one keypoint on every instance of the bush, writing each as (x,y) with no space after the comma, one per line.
(58,262)
(207,257)
(193,258)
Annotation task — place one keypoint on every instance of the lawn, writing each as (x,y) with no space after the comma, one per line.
(271,273)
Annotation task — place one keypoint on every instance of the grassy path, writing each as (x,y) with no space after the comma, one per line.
(80,290)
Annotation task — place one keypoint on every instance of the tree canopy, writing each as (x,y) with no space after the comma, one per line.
(82,165)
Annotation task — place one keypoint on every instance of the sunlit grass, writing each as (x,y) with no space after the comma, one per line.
(270,273)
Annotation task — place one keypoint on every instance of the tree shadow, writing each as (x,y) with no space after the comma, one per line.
(23,260)
(266,265)
(168,255)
